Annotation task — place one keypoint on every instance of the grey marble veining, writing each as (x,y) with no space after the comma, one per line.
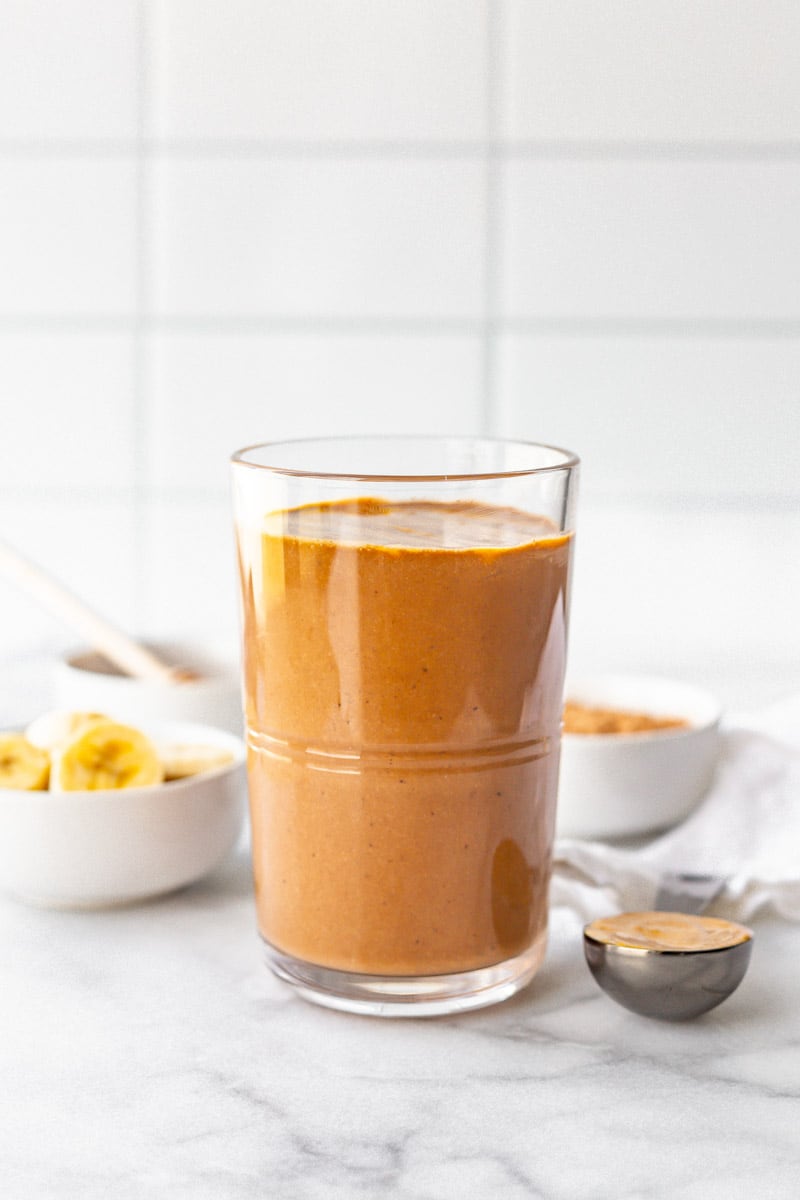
(148,1052)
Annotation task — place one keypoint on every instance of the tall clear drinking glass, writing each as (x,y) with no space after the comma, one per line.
(404,623)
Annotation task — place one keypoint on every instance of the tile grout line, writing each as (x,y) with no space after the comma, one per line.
(543,149)
(580,325)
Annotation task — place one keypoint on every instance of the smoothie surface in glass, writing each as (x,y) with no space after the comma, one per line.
(404,666)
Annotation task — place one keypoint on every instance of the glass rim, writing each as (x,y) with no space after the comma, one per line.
(570,460)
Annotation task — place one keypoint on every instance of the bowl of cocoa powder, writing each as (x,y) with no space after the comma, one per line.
(638,753)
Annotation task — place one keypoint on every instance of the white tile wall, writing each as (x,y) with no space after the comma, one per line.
(688,592)
(665,70)
(651,239)
(314,70)
(266,387)
(189,571)
(67,236)
(356,238)
(68,69)
(658,417)
(72,400)
(227,219)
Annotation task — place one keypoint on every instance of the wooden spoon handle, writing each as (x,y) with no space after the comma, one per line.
(122,650)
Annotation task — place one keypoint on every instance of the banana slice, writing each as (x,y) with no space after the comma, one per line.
(55,728)
(181,760)
(105,755)
(22,765)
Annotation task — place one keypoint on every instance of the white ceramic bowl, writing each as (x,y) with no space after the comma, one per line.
(621,785)
(85,682)
(92,849)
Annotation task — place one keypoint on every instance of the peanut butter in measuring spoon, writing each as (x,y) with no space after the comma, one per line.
(667,932)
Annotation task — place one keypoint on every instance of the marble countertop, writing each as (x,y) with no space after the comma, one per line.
(148,1052)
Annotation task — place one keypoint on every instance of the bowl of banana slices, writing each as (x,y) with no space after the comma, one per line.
(94,812)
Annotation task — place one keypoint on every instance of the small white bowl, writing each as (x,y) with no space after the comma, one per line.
(626,784)
(93,849)
(86,682)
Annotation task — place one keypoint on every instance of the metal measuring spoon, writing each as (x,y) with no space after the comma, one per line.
(638,960)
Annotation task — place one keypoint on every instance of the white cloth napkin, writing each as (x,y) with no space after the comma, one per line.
(746,829)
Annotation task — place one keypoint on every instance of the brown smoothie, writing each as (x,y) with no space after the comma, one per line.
(404,669)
